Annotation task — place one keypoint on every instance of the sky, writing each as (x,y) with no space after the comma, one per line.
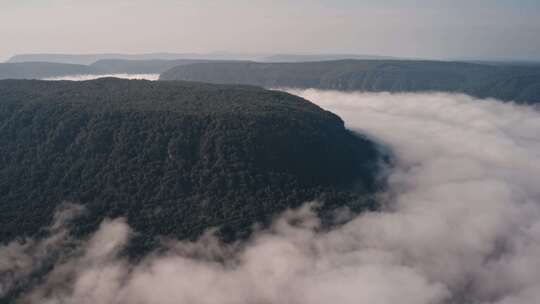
(473,29)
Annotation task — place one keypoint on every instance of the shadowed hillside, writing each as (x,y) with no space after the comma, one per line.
(516,83)
(37,70)
(155,66)
(41,70)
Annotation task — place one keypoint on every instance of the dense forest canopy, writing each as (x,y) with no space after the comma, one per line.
(520,83)
(175,158)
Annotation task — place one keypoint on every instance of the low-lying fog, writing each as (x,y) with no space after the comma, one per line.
(460,224)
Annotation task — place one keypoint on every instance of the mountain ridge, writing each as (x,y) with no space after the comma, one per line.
(507,82)
(174,158)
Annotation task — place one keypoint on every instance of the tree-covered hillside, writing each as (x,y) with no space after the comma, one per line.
(518,83)
(175,158)
(155,66)
(320,57)
(41,70)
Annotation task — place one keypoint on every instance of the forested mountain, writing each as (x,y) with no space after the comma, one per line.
(36,70)
(155,66)
(175,158)
(517,83)
(40,70)
(320,57)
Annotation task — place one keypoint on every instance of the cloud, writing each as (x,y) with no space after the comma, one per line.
(460,224)
(91,274)
(20,259)
(466,203)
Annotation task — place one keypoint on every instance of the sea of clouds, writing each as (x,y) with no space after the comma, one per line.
(459,224)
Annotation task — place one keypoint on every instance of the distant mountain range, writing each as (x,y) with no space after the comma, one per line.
(154,66)
(42,70)
(39,70)
(320,57)
(520,83)
(88,59)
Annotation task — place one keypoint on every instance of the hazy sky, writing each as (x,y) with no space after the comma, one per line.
(412,28)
